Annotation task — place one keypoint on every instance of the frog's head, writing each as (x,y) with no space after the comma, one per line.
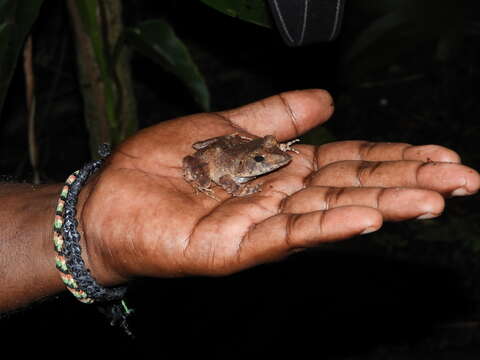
(264,157)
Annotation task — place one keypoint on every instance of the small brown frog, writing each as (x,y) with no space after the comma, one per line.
(231,161)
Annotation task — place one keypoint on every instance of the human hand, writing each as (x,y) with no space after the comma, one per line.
(139,217)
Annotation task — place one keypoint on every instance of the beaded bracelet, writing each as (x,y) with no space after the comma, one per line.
(68,259)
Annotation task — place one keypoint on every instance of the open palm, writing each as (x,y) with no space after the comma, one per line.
(140,217)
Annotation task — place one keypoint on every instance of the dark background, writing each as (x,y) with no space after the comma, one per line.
(408,292)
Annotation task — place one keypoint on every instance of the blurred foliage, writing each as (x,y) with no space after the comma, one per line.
(318,136)
(96,25)
(397,31)
(156,40)
(16,19)
(254,11)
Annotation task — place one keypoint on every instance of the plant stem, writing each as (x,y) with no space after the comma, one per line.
(31,107)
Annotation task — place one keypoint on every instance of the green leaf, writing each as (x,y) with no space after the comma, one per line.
(16,19)
(254,11)
(88,10)
(156,40)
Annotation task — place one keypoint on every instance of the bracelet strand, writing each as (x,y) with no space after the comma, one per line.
(68,260)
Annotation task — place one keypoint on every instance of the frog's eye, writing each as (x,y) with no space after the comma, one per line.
(259,158)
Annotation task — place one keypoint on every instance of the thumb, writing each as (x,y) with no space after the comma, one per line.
(286,115)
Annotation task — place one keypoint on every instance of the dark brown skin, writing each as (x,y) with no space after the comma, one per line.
(139,217)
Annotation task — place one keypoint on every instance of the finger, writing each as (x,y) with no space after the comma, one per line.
(370,151)
(445,178)
(395,204)
(279,235)
(287,115)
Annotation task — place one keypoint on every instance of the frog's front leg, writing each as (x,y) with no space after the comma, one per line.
(228,183)
(288,146)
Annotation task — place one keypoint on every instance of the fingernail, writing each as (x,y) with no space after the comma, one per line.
(369,230)
(427,216)
(460,192)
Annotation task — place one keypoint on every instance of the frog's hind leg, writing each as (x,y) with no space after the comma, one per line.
(246,138)
(195,172)
(204,143)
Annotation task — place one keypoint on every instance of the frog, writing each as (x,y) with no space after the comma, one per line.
(231,161)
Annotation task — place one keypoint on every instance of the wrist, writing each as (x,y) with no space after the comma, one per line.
(95,253)
(74,265)
(79,269)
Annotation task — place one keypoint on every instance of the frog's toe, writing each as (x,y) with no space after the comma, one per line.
(288,146)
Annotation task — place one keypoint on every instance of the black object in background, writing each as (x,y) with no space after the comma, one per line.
(303,22)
